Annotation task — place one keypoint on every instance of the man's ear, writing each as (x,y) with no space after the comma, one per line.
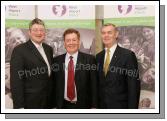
(79,43)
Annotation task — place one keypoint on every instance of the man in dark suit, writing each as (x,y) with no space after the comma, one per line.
(31,70)
(75,76)
(119,85)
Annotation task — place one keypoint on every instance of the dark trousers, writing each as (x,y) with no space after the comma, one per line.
(69,105)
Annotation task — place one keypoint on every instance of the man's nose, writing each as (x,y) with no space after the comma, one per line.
(39,32)
(106,34)
(70,42)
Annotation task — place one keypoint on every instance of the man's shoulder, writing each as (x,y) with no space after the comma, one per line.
(122,51)
(85,55)
(21,47)
(99,54)
(59,57)
(47,46)
(125,51)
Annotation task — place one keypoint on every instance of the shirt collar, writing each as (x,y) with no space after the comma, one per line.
(37,45)
(75,55)
(112,49)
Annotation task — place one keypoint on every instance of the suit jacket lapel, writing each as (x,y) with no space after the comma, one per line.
(35,51)
(47,53)
(102,59)
(77,70)
(101,62)
(62,74)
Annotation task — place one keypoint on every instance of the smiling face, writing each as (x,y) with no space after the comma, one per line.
(149,76)
(37,33)
(126,43)
(71,43)
(109,35)
(148,33)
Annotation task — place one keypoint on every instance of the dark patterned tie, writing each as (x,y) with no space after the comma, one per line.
(70,81)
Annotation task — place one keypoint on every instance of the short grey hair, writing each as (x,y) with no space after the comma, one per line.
(110,24)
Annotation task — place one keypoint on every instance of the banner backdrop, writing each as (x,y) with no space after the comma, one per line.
(60,17)
(136,25)
(57,19)
(16,25)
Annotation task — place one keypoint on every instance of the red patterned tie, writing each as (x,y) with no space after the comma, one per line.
(70,81)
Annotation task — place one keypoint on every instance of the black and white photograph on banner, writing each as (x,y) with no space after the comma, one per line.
(112,50)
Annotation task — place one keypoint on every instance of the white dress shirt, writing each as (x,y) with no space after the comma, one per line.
(112,50)
(67,59)
(43,54)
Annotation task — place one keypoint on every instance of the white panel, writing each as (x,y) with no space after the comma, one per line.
(20,12)
(116,11)
(66,12)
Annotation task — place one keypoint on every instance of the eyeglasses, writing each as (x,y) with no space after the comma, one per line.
(38,30)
